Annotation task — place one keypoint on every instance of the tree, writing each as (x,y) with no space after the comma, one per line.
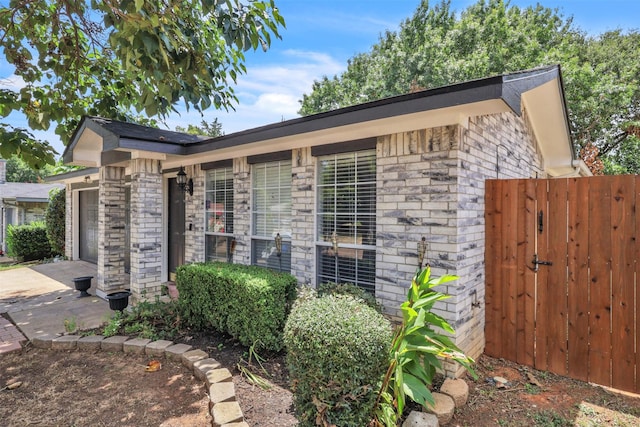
(19,171)
(114,57)
(212,129)
(437,47)
(55,220)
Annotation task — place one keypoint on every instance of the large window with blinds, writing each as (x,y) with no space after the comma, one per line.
(219,215)
(346,219)
(271,215)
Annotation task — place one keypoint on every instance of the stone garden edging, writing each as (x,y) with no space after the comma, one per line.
(224,408)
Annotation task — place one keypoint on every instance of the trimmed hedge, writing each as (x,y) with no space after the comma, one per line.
(28,242)
(249,303)
(55,220)
(332,288)
(337,352)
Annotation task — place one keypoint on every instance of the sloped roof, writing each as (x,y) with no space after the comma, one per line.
(23,191)
(99,141)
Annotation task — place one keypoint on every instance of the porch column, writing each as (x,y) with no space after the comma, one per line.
(146,229)
(242,210)
(68,222)
(302,222)
(111,230)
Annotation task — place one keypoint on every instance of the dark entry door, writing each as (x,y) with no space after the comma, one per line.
(176,227)
(88,230)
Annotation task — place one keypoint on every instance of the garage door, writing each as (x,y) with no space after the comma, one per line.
(88,233)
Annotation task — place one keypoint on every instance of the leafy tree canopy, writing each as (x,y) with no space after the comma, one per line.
(437,47)
(212,129)
(116,58)
(20,171)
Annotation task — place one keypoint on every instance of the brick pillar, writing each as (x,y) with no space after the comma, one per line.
(242,210)
(68,222)
(146,229)
(302,223)
(194,217)
(111,230)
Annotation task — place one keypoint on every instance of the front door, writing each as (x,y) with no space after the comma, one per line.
(88,230)
(176,228)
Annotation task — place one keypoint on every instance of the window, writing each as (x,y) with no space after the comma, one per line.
(219,215)
(346,218)
(271,214)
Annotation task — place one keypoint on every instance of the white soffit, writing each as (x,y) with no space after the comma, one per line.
(544,106)
(88,149)
(457,115)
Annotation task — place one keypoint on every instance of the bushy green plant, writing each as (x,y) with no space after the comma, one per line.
(249,303)
(416,350)
(55,220)
(152,320)
(337,350)
(28,242)
(331,288)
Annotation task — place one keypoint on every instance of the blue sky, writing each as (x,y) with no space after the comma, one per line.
(320,37)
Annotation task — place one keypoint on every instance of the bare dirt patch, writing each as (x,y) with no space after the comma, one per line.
(68,388)
(559,401)
(113,389)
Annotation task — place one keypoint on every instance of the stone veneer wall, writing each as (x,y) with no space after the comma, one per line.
(302,221)
(68,222)
(242,210)
(431,183)
(146,229)
(111,230)
(194,217)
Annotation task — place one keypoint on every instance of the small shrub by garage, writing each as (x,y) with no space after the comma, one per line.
(28,242)
(55,220)
(337,352)
(249,303)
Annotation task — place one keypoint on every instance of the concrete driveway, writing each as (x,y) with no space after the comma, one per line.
(39,299)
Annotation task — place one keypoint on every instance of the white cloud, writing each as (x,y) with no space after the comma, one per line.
(269,92)
(13,83)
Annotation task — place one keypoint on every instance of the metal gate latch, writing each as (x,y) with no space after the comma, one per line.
(536,263)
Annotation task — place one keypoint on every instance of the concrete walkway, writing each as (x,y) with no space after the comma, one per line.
(39,299)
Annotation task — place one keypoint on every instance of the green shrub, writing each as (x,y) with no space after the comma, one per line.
(55,220)
(331,288)
(337,349)
(28,242)
(416,350)
(249,303)
(151,320)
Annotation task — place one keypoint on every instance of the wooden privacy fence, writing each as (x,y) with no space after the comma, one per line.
(562,274)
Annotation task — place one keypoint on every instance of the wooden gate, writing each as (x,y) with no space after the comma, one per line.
(562,273)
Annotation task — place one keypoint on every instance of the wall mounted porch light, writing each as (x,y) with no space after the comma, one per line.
(185,184)
(422,249)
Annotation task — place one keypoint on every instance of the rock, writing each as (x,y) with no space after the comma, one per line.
(226,412)
(192,356)
(457,389)
(533,379)
(443,409)
(421,419)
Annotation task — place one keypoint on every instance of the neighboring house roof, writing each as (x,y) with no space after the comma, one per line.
(99,141)
(26,192)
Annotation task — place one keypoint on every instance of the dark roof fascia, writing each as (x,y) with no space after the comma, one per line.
(32,199)
(508,87)
(566,115)
(154,146)
(447,96)
(71,174)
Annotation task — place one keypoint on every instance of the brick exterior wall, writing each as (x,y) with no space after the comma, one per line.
(146,229)
(194,217)
(302,210)
(111,230)
(242,210)
(431,183)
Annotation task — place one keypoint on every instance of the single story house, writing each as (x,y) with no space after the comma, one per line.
(346,195)
(20,203)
